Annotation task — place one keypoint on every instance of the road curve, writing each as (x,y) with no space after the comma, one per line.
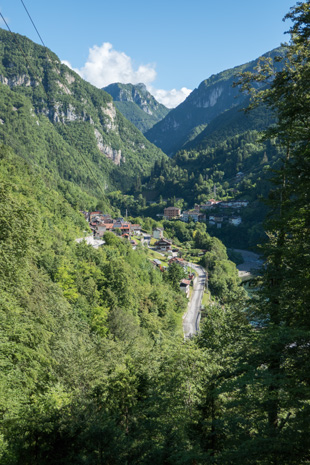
(192,316)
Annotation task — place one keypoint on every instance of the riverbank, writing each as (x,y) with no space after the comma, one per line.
(251,262)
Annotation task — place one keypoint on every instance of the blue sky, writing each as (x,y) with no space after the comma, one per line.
(169,45)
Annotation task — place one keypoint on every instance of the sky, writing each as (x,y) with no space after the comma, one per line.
(171,46)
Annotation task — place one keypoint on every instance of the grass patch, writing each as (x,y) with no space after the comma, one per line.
(206,298)
(153,254)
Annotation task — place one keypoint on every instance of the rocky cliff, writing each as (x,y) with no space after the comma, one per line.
(137,104)
(53,105)
(212,98)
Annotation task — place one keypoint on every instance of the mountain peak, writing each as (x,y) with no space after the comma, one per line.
(213,97)
(137,104)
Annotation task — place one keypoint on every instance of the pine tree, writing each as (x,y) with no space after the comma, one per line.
(278,356)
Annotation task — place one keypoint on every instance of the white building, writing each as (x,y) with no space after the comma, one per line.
(158,233)
(235,220)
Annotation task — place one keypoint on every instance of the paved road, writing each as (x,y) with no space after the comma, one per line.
(192,316)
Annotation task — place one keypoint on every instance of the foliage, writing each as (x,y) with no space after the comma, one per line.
(214,102)
(94,369)
(64,123)
(70,315)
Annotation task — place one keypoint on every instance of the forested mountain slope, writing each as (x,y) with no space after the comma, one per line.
(53,118)
(76,323)
(137,104)
(214,97)
(94,369)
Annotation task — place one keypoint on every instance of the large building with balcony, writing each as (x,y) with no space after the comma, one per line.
(171,213)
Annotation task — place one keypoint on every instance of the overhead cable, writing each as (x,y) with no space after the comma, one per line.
(4,20)
(33,23)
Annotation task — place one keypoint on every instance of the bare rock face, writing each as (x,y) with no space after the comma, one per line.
(15,81)
(211,98)
(130,99)
(109,152)
(59,115)
(64,88)
(110,121)
(69,78)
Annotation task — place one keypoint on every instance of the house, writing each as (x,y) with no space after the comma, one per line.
(194,214)
(172,212)
(234,204)
(218,220)
(184,286)
(109,226)
(227,204)
(163,244)
(135,229)
(125,228)
(92,215)
(158,233)
(100,230)
(235,220)
(179,261)
(210,204)
(106,219)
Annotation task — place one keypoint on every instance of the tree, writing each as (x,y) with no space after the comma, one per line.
(279,378)
(174,275)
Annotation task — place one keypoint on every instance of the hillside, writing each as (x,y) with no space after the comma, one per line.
(137,104)
(53,118)
(214,96)
(95,369)
(73,325)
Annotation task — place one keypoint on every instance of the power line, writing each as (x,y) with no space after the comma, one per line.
(33,23)
(5,21)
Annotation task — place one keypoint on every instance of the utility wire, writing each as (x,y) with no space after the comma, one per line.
(5,21)
(48,98)
(33,23)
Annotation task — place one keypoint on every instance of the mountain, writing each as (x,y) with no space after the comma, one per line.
(214,97)
(57,121)
(137,104)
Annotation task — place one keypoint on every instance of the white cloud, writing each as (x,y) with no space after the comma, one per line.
(67,63)
(170,98)
(105,66)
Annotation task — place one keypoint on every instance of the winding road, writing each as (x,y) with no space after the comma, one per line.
(192,317)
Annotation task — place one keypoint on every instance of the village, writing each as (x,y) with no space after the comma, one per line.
(200,212)
(100,223)
(162,252)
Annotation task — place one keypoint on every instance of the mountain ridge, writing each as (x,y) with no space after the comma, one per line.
(137,104)
(213,96)
(45,101)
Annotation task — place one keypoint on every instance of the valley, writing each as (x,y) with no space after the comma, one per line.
(126,232)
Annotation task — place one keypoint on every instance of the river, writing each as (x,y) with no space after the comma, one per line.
(251,261)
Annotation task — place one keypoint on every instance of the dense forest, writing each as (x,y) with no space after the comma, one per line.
(65,124)
(94,366)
